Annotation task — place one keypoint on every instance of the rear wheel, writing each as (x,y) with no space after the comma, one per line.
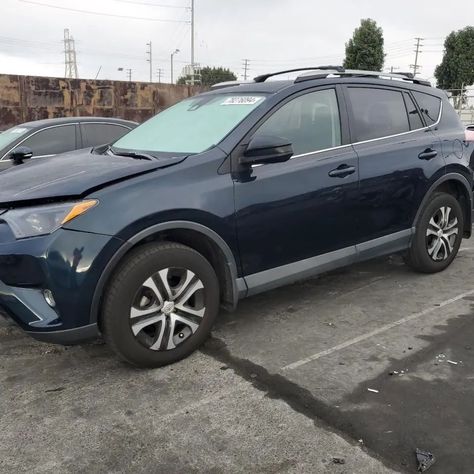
(160,305)
(438,235)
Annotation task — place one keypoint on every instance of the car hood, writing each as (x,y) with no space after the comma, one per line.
(71,175)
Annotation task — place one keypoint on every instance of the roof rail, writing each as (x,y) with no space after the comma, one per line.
(220,85)
(359,73)
(264,77)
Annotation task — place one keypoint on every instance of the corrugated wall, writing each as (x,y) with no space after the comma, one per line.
(25,98)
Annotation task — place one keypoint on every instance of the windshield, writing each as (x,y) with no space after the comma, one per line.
(191,126)
(10,135)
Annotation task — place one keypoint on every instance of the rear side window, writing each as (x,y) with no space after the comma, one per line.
(377,113)
(429,106)
(52,141)
(94,134)
(310,122)
(413,114)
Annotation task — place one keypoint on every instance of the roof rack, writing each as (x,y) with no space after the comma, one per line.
(264,77)
(359,73)
(220,85)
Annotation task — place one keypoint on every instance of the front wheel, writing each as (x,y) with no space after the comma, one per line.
(160,305)
(438,235)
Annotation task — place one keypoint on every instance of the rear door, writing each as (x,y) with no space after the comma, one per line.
(398,158)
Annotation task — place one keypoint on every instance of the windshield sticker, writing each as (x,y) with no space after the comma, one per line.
(18,130)
(241,100)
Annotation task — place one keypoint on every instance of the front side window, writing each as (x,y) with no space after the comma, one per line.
(191,126)
(429,106)
(52,141)
(310,122)
(377,113)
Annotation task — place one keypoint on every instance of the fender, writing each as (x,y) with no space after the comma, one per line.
(238,285)
(448,177)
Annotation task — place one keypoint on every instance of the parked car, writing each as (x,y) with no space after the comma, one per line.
(227,194)
(50,137)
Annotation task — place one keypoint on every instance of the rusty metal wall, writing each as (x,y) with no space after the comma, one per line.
(25,98)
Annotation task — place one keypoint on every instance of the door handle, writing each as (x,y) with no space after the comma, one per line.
(342,171)
(428,154)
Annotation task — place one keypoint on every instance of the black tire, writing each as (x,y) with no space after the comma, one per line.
(418,256)
(123,291)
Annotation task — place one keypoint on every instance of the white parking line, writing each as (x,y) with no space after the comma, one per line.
(375,332)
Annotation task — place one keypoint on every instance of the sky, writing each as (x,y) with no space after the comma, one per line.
(271,34)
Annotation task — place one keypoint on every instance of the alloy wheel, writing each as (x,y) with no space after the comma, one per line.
(168,309)
(441,234)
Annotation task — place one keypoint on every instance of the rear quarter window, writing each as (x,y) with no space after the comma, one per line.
(429,106)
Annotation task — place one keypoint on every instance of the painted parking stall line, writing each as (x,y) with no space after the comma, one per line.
(375,332)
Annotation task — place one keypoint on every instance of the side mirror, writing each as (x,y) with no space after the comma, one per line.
(19,154)
(267,149)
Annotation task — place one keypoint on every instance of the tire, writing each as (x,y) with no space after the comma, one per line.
(160,304)
(441,224)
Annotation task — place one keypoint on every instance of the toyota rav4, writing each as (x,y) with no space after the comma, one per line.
(241,189)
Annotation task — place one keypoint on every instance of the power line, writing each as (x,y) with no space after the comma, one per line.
(150,4)
(88,12)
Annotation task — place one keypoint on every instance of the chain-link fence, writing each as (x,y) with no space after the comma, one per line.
(463,101)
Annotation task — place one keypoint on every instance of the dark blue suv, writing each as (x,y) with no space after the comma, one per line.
(227,194)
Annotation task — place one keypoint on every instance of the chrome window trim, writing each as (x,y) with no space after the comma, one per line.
(375,139)
(33,134)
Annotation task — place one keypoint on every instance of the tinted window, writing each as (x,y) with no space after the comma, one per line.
(413,114)
(378,113)
(429,106)
(310,122)
(94,134)
(52,141)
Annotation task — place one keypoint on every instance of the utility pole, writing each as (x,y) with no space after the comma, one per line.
(417,51)
(192,42)
(70,59)
(159,73)
(129,74)
(150,60)
(176,51)
(246,68)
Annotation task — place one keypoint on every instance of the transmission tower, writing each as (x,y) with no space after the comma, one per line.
(70,60)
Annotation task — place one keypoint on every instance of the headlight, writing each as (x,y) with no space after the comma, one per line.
(42,220)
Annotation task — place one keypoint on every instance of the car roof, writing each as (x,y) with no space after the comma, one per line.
(326,75)
(66,120)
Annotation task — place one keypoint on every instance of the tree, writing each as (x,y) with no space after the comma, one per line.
(365,49)
(211,76)
(457,67)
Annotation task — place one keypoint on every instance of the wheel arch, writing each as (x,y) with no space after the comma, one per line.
(458,186)
(197,236)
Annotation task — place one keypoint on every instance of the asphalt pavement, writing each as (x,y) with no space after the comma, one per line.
(349,372)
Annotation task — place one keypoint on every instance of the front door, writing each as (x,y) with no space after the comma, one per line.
(288,213)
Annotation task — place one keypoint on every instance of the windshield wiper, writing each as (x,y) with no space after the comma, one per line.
(137,155)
